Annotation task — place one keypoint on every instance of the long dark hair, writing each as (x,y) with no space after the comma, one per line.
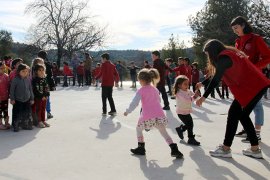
(239,20)
(213,47)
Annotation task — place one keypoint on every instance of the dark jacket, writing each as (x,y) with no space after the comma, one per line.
(161,67)
(40,87)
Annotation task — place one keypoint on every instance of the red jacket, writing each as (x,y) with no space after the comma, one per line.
(189,72)
(108,74)
(80,70)
(96,71)
(181,70)
(67,71)
(4,87)
(161,67)
(243,78)
(195,76)
(254,46)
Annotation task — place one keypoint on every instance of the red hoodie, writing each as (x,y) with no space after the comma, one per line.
(4,87)
(254,46)
(108,74)
(80,70)
(67,71)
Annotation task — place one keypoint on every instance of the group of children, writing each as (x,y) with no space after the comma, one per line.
(81,74)
(28,92)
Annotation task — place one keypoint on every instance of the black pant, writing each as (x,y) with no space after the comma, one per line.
(164,95)
(225,89)
(236,113)
(88,78)
(21,114)
(80,80)
(169,84)
(188,121)
(107,94)
(74,76)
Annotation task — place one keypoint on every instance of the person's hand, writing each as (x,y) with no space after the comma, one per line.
(125,114)
(32,102)
(242,54)
(44,99)
(199,85)
(12,102)
(200,101)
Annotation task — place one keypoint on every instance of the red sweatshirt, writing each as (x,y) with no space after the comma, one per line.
(255,47)
(80,70)
(108,74)
(4,87)
(240,76)
(67,71)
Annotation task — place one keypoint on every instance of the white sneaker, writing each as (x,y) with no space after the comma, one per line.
(220,152)
(255,154)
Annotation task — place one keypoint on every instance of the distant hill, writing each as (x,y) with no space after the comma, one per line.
(28,52)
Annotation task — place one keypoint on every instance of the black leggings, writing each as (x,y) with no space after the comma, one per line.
(236,113)
(188,121)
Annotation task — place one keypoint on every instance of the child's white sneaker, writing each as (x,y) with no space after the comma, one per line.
(41,125)
(220,152)
(255,154)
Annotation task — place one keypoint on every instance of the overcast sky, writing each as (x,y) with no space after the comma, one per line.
(139,24)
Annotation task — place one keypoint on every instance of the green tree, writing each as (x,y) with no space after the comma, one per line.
(260,17)
(5,42)
(213,22)
(173,49)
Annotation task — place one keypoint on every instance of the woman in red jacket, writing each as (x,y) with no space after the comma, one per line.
(259,54)
(235,71)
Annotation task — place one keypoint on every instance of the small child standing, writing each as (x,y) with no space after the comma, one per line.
(184,99)
(80,73)
(21,97)
(14,65)
(41,92)
(152,114)
(133,74)
(96,72)
(4,96)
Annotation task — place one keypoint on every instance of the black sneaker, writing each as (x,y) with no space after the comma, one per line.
(140,150)
(166,108)
(180,131)
(193,141)
(246,140)
(112,113)
(49,116)
(241,134)
(104,113)
(175,152)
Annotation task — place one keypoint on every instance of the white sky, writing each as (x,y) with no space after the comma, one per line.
(140,24)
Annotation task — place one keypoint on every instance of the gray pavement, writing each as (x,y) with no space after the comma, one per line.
(81,144)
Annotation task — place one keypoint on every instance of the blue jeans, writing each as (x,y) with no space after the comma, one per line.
(259,113)
(48,105)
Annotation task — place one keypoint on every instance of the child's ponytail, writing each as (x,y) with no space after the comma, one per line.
(154,76)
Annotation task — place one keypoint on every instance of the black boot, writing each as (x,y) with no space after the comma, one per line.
(193,141)
(180,131)
(174,151)
(140,150)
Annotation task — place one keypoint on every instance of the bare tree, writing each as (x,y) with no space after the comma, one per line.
(64,24)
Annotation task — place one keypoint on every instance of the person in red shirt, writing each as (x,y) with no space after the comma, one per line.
(80,73)
(109,75)
(235,71)
(66,72)
(258,54)
(181,69)
(96,72)
(195,76)
(4,96)
(189,69)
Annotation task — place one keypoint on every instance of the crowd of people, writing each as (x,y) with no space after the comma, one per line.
(28,89)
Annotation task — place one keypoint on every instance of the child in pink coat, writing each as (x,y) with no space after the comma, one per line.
(4,96)
(152,114)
